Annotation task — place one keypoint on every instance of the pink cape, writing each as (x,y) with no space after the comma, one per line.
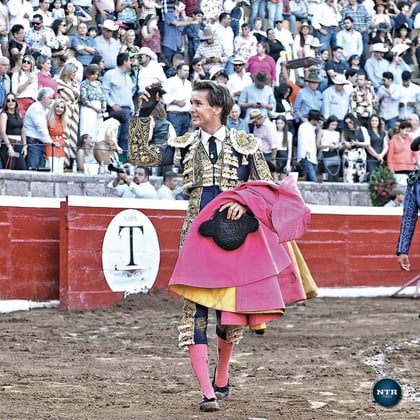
(261,269)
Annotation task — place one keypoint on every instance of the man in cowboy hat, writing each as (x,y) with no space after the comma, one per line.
(306,146)
(105,10)
(239,79)
(376,65)
(309,97)
(107,46)
(335,100)
(149,71)
(259,95)
(265,130)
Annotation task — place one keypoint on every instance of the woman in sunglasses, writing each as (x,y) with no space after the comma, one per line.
(25,84)
(13,148)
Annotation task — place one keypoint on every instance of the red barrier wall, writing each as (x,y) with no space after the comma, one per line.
(53,249)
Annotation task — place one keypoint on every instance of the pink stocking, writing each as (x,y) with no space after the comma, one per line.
(222,372)
(200,365)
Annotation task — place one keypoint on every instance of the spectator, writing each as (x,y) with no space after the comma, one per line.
(283,35)
(308,98)
(307,155)
(262,62)
(402,39)
(84,45)
(409,95)
(378,144)
(415,125)
(20,13)
(336,65)
(283,143)
(349,39)
(299,9)
(138,187)
(325,21)
(362,99)
(380,17)
(17,44)
(40,39)
(58,11)
(387,99)
(178,91)
(257,29)
(397,65)
(126,12)
(354,142)
(265,130)
(239,79)
(47,16)
(275,47)
(223,35)
(85,148)
(303,39)
(69,91)
(361,22)
(167,190)
(335,100)
(354,64)
(118,89)
(57,125)
(257,95)
(396,198)
(25,84)
(13,148)
(284,106)
(70,57)
(401,159)
(105,10)
(43,64)
(57,56)
(92,102)
(210,53)
(177,59)
(328,144)
(150,34)
(382,36)
(245,44)
(235,121)
(376,65)
(36,128)
(257,14)
(107,46)
(196,70)
(192,33)
(174,27)
(150,71)
(73,19)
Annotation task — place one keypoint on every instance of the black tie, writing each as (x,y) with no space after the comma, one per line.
(212,149)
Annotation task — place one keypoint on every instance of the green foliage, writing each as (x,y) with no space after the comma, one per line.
(380,185)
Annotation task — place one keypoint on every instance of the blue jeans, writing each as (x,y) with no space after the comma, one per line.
(390,123)
(35,156)
(180,121)
(330,39)
(100,21)
(123,131)
(275,12)
(257,9)
(309,170)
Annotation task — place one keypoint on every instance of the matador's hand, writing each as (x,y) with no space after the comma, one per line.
(404,262)
(236,210)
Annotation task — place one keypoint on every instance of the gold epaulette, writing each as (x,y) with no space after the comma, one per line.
(246,144)
(182,141)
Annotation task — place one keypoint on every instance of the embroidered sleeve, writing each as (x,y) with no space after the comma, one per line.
(409,220)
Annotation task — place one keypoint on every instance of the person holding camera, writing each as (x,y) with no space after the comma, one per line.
(138,187)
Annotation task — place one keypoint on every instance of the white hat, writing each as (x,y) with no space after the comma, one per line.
(215,71)
(400,48)
(110,25)
(147,51)
(379,47)
(339,79)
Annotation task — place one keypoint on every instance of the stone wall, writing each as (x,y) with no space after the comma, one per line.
(46,184)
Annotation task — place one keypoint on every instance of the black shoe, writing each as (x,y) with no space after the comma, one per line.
(221,392)
(260,331)
(209,404)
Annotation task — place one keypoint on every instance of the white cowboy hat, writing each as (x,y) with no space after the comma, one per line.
(110,25)
(379,47)
(339,79)
(147,51)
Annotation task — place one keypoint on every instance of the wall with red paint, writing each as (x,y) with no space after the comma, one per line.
(53,249)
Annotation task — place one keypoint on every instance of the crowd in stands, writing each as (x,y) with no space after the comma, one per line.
(71,74)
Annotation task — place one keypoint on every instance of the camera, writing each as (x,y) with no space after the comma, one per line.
(118,169)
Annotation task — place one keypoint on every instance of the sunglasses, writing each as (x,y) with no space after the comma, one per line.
(10,100)
(36,23)
(238,65)
(26,62)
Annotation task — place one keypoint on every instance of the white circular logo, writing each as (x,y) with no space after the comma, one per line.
(130,253)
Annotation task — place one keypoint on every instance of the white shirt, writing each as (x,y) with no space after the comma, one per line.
(143,190)
(408,94)
(177,89)
(224,36)
(165,193)
(285,37)
(325,15)
(306,147)
(152,73)
(237,83)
